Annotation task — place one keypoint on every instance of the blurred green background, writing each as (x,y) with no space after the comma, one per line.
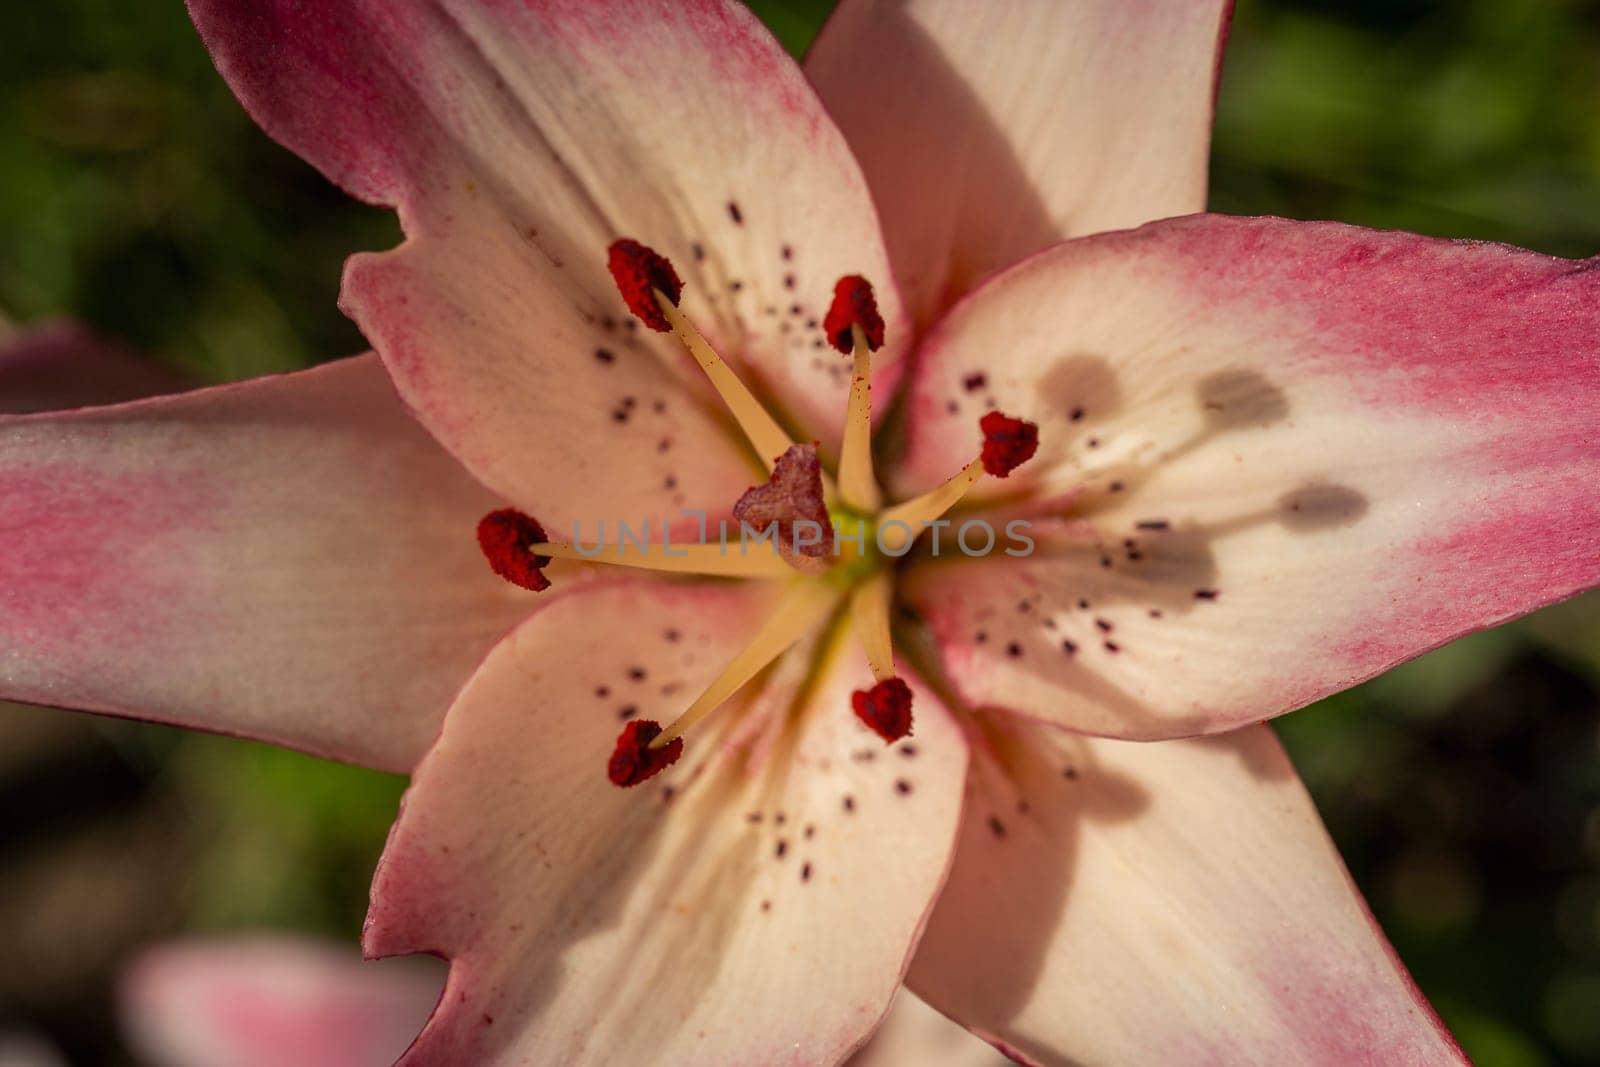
(1463,789)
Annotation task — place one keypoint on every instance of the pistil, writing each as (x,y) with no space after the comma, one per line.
(797,498)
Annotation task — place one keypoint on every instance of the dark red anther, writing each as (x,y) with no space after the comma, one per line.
(886,707)
(634,760)
(1007,443)
(639,271)
(507,538)
(853,305)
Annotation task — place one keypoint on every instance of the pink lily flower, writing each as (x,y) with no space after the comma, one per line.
(1263,460)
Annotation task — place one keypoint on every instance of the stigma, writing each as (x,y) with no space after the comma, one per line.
(819,587)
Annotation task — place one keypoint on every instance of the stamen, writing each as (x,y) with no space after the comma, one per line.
(894,524)
(508,539)
(802,608)
(640,272)
(759,427)
(1007,444)
(715,560)
(854,305)
(854,325)
(886,707)
(651,289)
(869,610)
(634,760)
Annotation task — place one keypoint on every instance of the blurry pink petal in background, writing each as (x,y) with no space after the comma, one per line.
(271,1001)
(60,364)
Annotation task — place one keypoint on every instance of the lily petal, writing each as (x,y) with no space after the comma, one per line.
(60,364)
(1174,903)
(735,909)
(1276,459)
(266,1001)
(916,1034)
(517,141)
(989,131)
(291,559)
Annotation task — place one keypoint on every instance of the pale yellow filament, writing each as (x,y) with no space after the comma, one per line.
(762,430)
(694,558)
(869,611)
(857,486)
(803,607)
(902,523)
